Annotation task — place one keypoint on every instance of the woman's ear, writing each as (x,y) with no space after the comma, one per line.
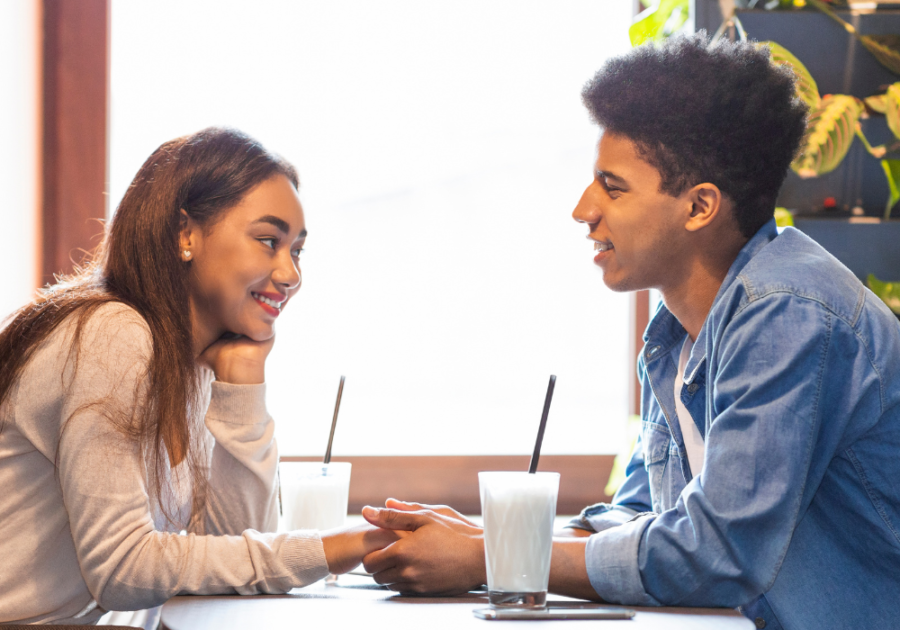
(188,237)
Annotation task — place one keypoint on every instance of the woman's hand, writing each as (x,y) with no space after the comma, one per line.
(345,547)
(237,359)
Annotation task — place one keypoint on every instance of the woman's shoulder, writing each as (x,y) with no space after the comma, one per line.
(118,325)
(112,331)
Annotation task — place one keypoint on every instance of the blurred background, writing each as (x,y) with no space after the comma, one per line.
(441,148)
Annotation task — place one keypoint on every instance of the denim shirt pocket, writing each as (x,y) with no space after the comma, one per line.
(656,441)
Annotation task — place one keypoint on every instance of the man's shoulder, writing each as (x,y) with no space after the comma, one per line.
(793,267)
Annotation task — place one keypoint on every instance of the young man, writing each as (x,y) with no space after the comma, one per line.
(767,474)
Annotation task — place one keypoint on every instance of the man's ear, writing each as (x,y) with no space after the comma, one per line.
(706,205)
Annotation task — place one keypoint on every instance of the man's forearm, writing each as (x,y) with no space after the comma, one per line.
(568,570)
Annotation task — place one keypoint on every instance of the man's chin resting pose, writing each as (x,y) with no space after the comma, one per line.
(767,473)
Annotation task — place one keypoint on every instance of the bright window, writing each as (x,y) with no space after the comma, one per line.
(19,166)
(441,148)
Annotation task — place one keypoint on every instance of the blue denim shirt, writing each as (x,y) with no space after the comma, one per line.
(794,383)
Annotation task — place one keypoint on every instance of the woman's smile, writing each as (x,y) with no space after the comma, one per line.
(271,303)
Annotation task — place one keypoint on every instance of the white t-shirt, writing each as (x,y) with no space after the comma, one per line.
(693,441)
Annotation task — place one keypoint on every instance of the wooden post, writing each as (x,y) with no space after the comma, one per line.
(640,317)
(75,64)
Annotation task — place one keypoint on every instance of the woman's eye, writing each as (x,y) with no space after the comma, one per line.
(269,242)
(296,253)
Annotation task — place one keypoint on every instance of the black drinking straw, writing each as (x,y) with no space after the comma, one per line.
(337,407)
(532,468)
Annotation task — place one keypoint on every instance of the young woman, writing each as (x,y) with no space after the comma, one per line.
(137,460)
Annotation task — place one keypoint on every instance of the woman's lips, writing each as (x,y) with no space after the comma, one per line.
(267,303)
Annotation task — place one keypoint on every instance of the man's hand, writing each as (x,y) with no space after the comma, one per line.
(237,360)
(439,551)
(443,510)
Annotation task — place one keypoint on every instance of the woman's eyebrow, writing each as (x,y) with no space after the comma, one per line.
(278,223)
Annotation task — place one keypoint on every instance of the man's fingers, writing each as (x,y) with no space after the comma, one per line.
(388,518)
(381,560)
(443,510)
(388,576)
(405,506)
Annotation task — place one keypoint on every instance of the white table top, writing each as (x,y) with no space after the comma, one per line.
(358,602)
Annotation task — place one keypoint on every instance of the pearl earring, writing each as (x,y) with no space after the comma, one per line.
(187,254)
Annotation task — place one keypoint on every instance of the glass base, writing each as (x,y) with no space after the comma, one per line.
(331,579)
(500,599)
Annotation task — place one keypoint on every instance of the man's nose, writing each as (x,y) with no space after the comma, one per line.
(586,210)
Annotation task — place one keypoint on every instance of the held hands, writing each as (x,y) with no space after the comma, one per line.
(345,547)
(237,359)
(438,550)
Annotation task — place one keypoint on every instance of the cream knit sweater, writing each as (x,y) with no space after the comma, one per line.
(80,532)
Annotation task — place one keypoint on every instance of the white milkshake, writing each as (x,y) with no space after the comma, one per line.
(314,495)
(518,510)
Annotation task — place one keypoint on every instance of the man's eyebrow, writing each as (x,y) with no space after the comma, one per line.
(609,175)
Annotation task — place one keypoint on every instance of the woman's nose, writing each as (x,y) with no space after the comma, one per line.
(288,273)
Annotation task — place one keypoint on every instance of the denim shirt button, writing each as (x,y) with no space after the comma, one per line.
(760,623)
(693,387)
(652,351)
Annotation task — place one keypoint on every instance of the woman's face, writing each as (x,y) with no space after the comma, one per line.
(246,266)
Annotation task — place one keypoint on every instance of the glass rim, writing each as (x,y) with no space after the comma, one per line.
(518,473)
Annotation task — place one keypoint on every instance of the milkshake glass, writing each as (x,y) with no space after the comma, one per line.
(518,509)
(314,495)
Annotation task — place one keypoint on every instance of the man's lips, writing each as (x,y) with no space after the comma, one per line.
(602,248)
(271,303)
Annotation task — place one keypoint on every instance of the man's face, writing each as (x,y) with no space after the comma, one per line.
(638,231)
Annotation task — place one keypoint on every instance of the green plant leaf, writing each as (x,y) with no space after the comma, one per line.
(876,152)
(807,89)
(885,48)
(877,102)
(892,173)
(659,21)
(889,292)
(617,474)
(829,134)
(783,217)
(892,108)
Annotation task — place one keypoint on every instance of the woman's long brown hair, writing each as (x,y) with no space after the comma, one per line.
(139,264)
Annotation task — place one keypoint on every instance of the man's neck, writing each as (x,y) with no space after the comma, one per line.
(691,300)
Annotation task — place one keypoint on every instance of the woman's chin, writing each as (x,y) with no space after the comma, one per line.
(258,332)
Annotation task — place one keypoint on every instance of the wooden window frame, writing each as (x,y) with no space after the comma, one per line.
(74,132)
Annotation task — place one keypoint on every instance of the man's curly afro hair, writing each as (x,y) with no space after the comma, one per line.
(722,114)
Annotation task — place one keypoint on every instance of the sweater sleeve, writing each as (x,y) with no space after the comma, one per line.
(242,492)
(126,562)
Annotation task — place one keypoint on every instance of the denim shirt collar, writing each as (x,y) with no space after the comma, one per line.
(665,331)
